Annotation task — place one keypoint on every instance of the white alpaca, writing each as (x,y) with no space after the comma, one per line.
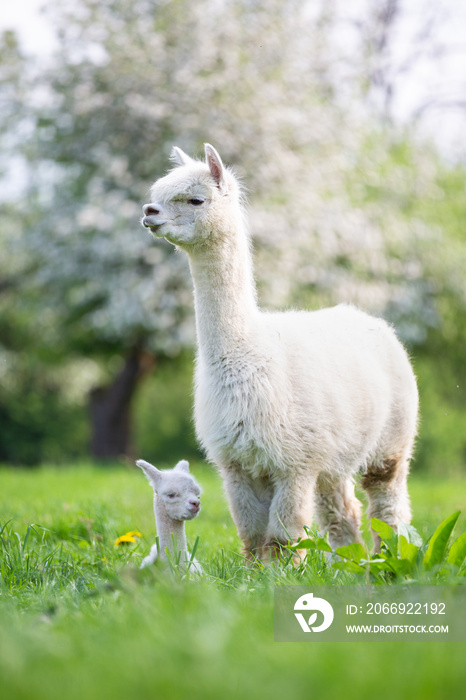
(176,499)
(291,405)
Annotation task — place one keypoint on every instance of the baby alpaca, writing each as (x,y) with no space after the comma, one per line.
(290,406)
(177,497)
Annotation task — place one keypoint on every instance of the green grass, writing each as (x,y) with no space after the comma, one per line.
(78,619)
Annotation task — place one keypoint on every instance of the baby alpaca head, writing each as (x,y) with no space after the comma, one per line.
(189,205)
(176,489)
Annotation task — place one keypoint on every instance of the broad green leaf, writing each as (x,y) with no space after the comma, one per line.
(400,566)
(410,533)
(380,566)
(355,551)
(303,544)
(374,560)
(350,566)
(438,542)
(407,550)
(387,534)
(323,545)
(375,565)
(457,553)
(309,543)
(385,531)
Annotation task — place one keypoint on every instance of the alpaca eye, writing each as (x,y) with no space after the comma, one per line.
(195,201)
(171,495)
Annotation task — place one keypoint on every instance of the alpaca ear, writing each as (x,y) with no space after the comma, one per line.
(215,166)
(182,466)
(152,473)
(179,157)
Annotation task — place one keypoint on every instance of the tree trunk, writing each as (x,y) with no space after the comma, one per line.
(110,407)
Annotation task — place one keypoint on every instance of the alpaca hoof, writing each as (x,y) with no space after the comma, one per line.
(272,551)
(252,555)
(275,551)
(298,557)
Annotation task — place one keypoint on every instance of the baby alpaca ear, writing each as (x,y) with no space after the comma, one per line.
(179,157)
(151,472)
(215,165)
(182,466)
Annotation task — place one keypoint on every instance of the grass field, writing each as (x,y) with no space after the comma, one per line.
(78,619)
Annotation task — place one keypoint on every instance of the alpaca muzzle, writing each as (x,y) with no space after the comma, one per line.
(151,218)
(194,507)
(152,223)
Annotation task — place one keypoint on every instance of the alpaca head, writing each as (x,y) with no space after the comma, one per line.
(194,202)
(176,489)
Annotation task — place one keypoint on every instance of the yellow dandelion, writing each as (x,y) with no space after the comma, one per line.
(128,538)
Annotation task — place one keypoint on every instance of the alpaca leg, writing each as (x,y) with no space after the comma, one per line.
(151,557)
(290,510)
(338,510)
(387,490)
(249,501)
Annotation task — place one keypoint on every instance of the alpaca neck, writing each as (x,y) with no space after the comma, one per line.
(169,529)
(224,292)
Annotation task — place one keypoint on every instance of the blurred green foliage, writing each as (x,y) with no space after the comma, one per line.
(344,206)
(163,415)
(441,445)
(37,425)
